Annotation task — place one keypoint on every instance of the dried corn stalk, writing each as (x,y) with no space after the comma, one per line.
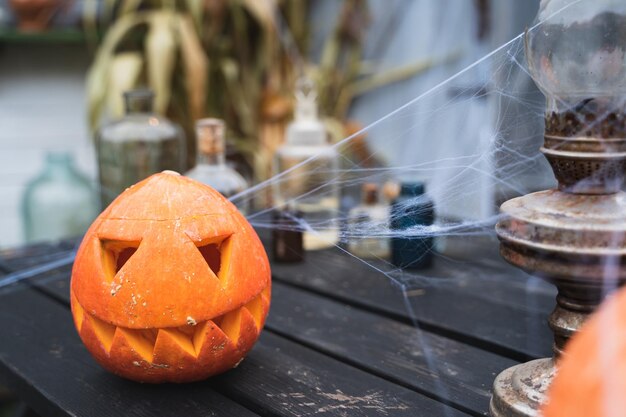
(196,66)
(160,51)
(234,59)
(98,76)
(124,73)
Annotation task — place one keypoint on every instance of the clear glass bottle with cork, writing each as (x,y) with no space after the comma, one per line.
(309,165)
(140,144)
(211,167)
(365,218)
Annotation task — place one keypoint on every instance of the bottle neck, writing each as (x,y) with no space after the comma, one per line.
(139,102)
(59,165)
(210,145)
(212,159)
(132,110)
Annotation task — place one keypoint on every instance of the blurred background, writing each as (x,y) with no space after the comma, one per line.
(252,52)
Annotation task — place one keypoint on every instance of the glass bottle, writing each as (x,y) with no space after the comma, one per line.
(287,240)
(138,145)
(369,215)
(411,249)
(59,202)
(309,187)
(211,167)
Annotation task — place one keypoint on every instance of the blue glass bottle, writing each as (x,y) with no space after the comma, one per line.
(413,207)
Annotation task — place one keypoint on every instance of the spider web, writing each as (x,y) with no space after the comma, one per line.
(473,145)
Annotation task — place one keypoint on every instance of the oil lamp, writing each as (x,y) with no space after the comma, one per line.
(573,236)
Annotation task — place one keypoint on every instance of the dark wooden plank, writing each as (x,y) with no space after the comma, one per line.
(22,263)
(474,263)
(441,368)
(289,379)
(278,378)
(473,267)
(43,360)
(475,297)
(469,263)
(46,275)
(31,254)
(441,302)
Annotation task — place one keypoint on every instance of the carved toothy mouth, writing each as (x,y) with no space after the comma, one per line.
(191,339)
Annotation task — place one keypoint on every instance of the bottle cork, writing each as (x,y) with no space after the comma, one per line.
(210,136)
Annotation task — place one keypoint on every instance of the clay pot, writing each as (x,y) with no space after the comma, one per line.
(34,15)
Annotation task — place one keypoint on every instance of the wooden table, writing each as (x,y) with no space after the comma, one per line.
(341,340)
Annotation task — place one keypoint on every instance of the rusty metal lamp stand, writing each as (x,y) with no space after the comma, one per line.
(573,237)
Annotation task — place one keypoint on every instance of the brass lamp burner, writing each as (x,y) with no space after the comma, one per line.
(587,153)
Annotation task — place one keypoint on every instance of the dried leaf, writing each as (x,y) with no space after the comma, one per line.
(196,10)
(97,84)
(196,66)
(271,136)
(108,9)
(123,76)
(160,49)
(97,77)
(90,20)
(129,6)
(238,96)
(264,11)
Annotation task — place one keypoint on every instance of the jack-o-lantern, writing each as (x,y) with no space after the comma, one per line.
(170,283)
(591,376)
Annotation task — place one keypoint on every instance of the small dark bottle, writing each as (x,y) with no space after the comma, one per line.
(287,237)
(412,208)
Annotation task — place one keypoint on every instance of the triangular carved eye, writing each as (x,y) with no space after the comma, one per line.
(212,256)
(115,254)
(123,256)
(216,253)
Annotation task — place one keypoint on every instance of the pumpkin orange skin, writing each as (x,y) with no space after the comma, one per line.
(169,312)
(591,376)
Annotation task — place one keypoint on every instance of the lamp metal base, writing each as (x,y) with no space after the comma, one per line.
(520,390)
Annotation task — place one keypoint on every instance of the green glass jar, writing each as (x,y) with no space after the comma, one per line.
(59,202)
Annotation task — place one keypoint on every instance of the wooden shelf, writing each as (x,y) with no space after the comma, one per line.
(52,36)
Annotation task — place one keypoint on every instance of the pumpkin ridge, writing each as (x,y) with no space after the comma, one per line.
(173,219)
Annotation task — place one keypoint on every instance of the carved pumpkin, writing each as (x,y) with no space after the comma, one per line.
(591,376)
(170,283)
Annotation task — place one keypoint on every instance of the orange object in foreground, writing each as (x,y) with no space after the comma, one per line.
(591,376)
(170,283)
